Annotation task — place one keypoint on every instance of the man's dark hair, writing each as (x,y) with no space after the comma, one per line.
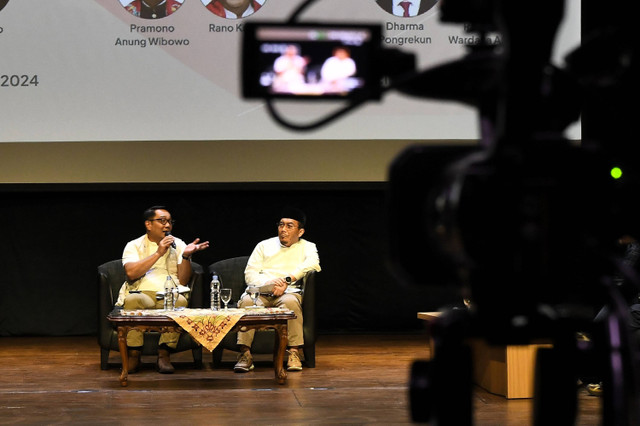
(151,212)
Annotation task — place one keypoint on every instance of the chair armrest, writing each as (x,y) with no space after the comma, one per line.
(196,284)
(309,286)
(309,304)
(109,278)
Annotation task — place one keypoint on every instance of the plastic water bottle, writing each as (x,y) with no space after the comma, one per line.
(215,293)
(168,294)
(175,295)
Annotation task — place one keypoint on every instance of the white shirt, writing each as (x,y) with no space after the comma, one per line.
(413,9)
(335,69)
(270,260)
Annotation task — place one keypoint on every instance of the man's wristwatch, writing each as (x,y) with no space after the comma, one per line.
(186,257)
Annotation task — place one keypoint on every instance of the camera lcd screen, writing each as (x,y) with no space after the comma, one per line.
(310,61)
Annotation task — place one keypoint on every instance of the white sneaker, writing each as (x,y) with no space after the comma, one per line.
(245,363)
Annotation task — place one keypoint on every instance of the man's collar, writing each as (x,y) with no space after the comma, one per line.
(283,246)
(159,4)
(147,241)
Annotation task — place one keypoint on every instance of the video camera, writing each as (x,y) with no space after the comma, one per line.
(375,69)
(524,223)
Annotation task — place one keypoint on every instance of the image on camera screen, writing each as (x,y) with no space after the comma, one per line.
(304,60)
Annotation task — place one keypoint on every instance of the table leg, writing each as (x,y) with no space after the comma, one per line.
(124,354)
(278,357)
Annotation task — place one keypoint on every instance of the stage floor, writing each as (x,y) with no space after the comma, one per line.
(358,379)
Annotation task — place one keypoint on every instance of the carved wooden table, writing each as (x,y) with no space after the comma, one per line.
(163,324)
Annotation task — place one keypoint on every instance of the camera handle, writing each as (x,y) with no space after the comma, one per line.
(323,121)
(405,63)
(316,124)
(294,16)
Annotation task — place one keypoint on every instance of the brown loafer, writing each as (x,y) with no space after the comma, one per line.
(164,362)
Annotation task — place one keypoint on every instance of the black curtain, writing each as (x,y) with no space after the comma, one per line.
(55,236)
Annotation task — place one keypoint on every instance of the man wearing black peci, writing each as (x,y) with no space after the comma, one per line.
(280,264)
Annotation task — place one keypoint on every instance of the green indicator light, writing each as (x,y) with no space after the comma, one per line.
(616,172)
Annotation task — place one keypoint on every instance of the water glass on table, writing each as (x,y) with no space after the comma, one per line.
(225,296)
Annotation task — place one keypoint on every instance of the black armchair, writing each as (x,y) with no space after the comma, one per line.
(231,273)
(110,278)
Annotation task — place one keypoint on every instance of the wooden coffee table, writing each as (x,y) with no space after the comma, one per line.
(164,324)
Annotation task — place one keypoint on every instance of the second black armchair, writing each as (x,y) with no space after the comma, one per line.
(231,273)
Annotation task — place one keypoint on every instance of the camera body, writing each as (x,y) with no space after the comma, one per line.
(522,223)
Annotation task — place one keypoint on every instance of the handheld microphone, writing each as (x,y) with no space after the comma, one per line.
(166,234)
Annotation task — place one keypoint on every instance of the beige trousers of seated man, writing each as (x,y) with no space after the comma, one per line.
(291,301)
(147,300)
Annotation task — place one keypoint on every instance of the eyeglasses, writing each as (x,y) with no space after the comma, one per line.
(288,225)
(163,220)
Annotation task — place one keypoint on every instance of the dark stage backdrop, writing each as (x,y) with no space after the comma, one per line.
(54,238)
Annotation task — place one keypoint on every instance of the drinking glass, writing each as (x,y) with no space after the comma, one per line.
(225,296)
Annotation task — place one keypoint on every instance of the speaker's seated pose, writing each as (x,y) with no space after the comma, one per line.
(280,264)
(148,261)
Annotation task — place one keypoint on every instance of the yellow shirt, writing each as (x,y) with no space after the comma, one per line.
(154,278)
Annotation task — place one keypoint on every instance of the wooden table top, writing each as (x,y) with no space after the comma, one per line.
(116,317)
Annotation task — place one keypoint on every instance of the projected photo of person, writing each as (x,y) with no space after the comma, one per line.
(289,69)
(233,9)
(3,3)
(406,8)
(151,9)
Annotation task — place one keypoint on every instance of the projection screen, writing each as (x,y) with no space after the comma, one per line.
(97,73)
